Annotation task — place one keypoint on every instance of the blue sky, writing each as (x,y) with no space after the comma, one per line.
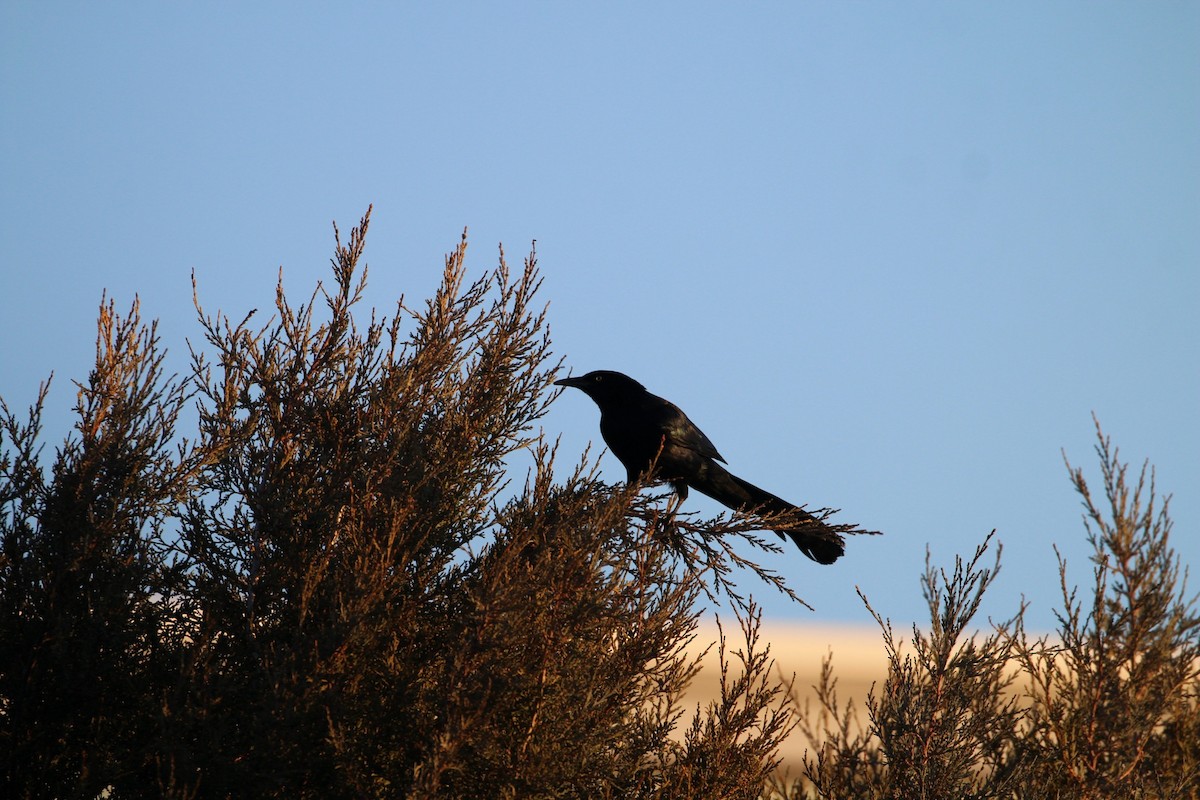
(890,257)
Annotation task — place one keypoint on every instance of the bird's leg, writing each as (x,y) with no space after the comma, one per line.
(665,526)
(673,502)
(678,495)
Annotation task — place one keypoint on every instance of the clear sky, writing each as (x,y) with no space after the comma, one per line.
(889,256)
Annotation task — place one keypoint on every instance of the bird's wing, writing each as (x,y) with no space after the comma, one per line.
(682,432)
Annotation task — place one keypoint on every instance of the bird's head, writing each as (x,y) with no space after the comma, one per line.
(605,386)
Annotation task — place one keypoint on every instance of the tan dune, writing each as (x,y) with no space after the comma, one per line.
(858,661)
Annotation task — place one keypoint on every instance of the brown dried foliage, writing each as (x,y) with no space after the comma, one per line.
(1109,707)
(330,589)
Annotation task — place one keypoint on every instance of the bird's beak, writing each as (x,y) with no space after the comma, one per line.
(568,382)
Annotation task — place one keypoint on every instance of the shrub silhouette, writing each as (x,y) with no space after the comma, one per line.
(327,591)
(330,588)
(1107,708)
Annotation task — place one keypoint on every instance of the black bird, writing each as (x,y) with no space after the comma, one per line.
(639,427)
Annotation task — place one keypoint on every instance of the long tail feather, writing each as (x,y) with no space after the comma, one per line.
(815,539)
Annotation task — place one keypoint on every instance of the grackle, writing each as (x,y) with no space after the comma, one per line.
(644,430)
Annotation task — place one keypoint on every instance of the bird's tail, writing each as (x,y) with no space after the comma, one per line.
(815,539)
